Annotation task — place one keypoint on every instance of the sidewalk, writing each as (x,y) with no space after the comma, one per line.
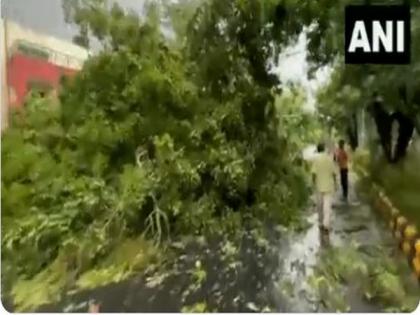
(288,271)
(353,226)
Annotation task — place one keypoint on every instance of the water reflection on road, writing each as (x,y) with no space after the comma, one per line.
(298,255)
(258,276)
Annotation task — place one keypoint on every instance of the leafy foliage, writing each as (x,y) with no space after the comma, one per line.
(351,87)
(400,182)
(148,139)
(130,256)
(196,308)
(368,269)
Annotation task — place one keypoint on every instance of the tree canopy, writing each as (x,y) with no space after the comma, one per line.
(352,87)
(152,138)
(163,136)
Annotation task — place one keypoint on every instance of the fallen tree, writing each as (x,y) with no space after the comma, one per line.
(149,140)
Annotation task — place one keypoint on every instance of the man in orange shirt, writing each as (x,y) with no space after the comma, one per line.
(342,160)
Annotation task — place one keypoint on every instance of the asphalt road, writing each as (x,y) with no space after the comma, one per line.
(247,276)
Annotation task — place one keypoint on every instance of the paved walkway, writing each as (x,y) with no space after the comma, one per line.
(256,274)
(355,223)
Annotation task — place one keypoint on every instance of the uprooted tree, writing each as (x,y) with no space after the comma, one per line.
(152,138)
(169,136)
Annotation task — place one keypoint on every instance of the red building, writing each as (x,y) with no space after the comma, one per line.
(35,60)
(27,70)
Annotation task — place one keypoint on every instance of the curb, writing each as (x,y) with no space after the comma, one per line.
(407,234)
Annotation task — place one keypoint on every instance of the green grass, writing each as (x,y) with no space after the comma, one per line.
(130,256)
(401,183)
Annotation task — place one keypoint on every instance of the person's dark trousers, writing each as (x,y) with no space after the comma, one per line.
(344,182)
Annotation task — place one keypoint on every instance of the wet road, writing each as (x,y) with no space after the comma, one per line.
(254,274)
(353,224)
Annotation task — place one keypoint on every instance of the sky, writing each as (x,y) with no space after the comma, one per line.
(46,16)
(293,67)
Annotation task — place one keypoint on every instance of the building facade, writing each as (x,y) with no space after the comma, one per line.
(4,88)
(32,60)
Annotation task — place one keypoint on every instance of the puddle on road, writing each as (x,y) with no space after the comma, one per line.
(251,279)
(299,254)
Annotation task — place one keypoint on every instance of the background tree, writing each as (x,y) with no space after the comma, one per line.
(398,86)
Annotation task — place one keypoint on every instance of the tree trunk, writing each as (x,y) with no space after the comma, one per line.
(405,134)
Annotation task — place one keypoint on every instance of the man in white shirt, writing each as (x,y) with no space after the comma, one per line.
(325,182)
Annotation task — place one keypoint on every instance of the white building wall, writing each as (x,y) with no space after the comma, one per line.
(62,53)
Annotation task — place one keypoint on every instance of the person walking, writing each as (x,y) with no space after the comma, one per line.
(325,182)
(342,161)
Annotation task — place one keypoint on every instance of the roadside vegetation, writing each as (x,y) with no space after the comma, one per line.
(163,138)
(150,142)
